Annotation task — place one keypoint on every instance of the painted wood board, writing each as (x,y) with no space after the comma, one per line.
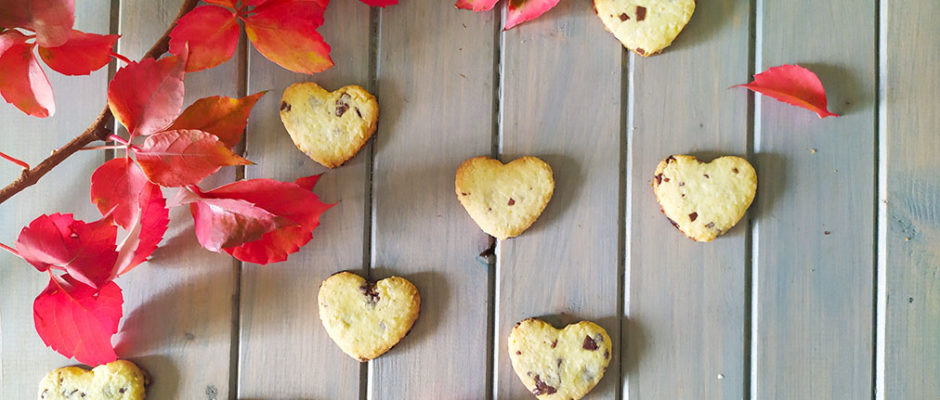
(284,351)
(179,306)
(435,90)
(814,213)
(684,329)
(562,102)
(24,359)
(910,219)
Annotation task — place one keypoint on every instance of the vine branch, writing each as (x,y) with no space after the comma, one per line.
(98,131)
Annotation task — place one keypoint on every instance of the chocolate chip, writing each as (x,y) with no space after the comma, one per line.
(707,177)
(512,201)
(342,104)
(83,394)
(122,390)
(358,113)
(558,363)
(641,51)
(665,179)
(670,158)
(542,387)
(589,343)
(624,17)
(658,178)
(463,194)
(640,13)
(681,184)
(606,353)
(710,225)
(368,290)
(518,352)
(673,222)
(285,106)
(735,170)
(693,216)
(683,195)
(489,209)
(555,343)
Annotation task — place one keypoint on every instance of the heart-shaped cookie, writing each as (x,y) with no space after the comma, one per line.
(559,364)
(118,380)
(704,200)
(645,26)
(366,319)
(330,127)
(504,200)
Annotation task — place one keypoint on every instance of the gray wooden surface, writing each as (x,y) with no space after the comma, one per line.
(828,289)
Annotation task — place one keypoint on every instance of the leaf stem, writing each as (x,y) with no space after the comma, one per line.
(120,57)
(106,147)
(118,139)
(14,160)
(98,131)
(11,250)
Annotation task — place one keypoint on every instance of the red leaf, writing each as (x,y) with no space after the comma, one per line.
(212,36)
(147,231)
(380,3)
(221,116)
(51,19)
(146,96)
(223,3)
(476,5)
(228,222)
(119,188)
(526,10)
(285,32)
(22,81)
(792,84)
(292,201)
(184,157)
(78,321)
(84,250)
(81,54)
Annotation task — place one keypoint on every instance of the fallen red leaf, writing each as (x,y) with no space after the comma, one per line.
(293,202)
(22,80)
(78,321)
(224,117)
(792,84)
(120,189)
(84,250)
(184,157)
(146,96)
(81,54)
(51,19)
(476,5)
(285,32)
(380,3)
(211,34)
(526,10)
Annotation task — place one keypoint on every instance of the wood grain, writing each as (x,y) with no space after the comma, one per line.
(284,352)
(436,86)
(814,225)
(178,307)
(24,359)
(910,259)
(685,317)
(561,101)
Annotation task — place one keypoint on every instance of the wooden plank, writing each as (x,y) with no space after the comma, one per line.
(685,321)
(814,225)
(287,354)
(178,306)
(562,102)
(910,224)
(24,359)
(436,85)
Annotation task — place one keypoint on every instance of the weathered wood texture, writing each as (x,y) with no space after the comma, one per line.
(685,325)
(284,352)
(24,359)
(814,214)
(561,101)
(910,256)
(435,89)
(178,307)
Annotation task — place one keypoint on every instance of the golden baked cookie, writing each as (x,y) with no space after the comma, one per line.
(330,127)
(367,319)
(118,380)
(704,200)
(645,26)
(559,364)
(504,200)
